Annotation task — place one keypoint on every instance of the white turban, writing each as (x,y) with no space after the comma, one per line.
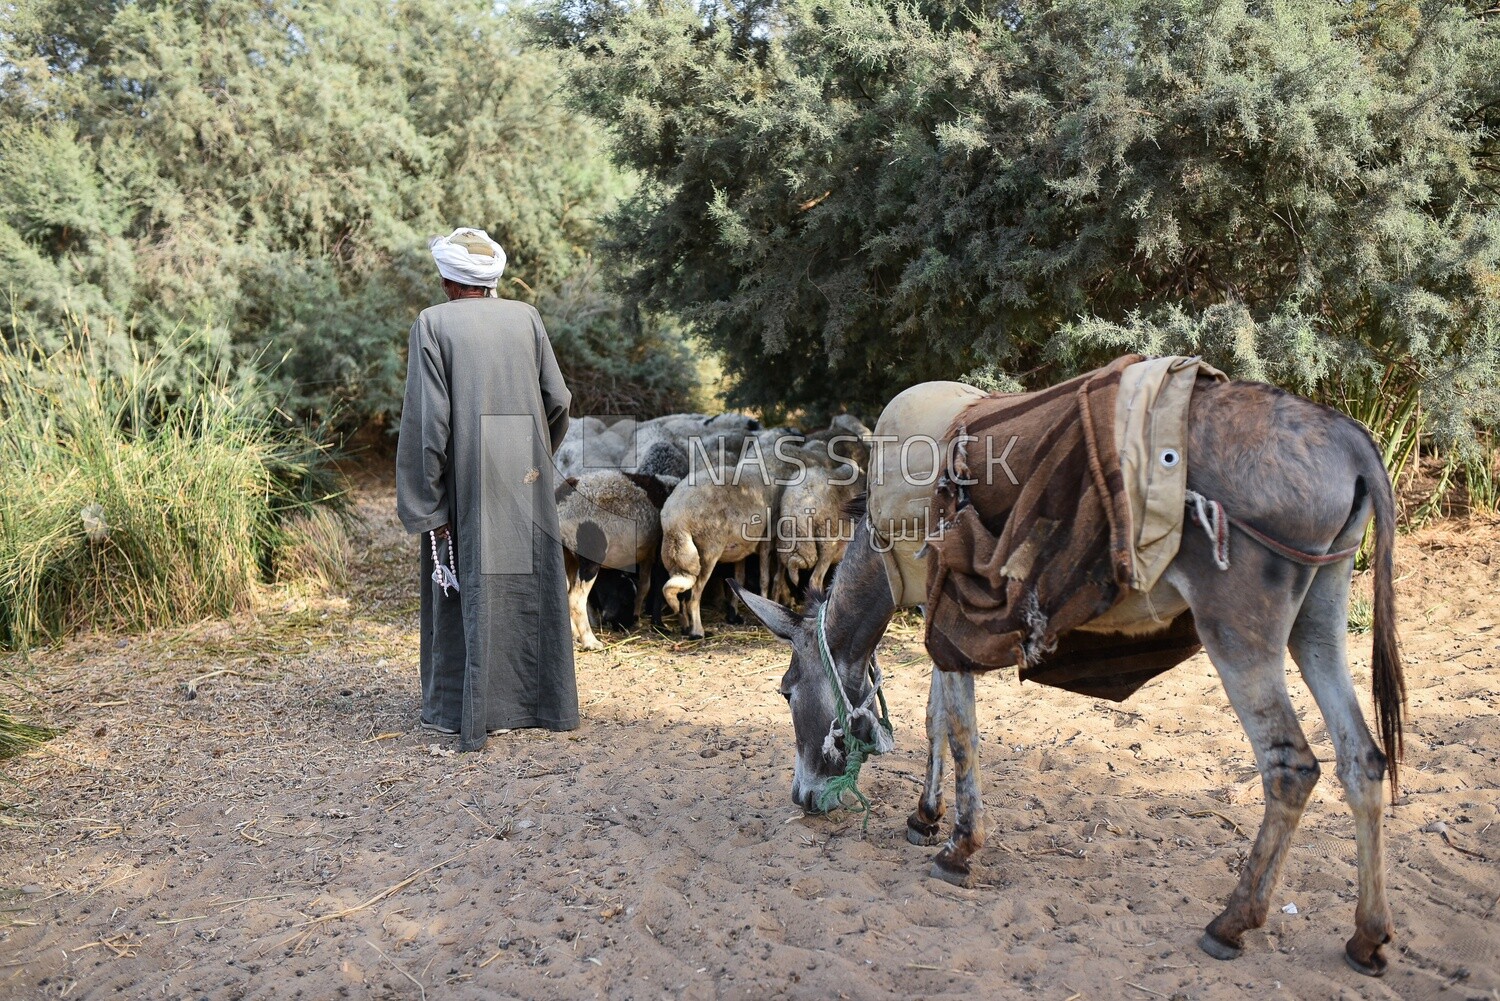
(469,257)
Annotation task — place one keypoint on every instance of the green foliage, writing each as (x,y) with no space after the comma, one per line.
(270,174)
(616,360)
(845,198)
(132,501)
(1361,614)
(992,380)
(1481,479)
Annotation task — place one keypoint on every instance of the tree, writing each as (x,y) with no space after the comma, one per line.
(845,197)
(269,173)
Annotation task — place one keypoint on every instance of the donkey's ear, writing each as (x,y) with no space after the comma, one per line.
(777,617)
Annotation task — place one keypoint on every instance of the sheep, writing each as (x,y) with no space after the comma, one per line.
(612,599)
(590,445)
(664,458)
(645,440)
(812,530)
(850,438)
(721,514)
(683,426)
(712,437)
(608,518)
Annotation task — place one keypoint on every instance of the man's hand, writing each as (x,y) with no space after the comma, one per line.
(441,532)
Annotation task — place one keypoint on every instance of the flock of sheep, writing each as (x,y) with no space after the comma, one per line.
(652,508)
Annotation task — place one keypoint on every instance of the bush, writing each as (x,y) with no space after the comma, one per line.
(271,173)
(137,500)
(616,360)
(847,198)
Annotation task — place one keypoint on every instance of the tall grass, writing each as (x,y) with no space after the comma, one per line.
(1481,477)
(140,493)
(1391,408)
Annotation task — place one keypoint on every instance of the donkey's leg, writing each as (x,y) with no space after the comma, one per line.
(1319,645)
(922,826)
(1251,666)
(952,862)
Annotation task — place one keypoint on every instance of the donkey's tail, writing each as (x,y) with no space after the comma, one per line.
(1387,680)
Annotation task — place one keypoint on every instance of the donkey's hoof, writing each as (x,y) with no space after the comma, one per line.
(957,873)
(1217,947)
(1364,958)
(921,832)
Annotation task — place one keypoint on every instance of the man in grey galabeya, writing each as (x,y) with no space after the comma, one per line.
(486,406)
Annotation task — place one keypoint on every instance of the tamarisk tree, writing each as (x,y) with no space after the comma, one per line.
(846,197)
(268,175)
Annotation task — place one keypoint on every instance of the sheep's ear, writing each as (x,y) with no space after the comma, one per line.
(777,617)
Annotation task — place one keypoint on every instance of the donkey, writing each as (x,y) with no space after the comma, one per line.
(1309,476)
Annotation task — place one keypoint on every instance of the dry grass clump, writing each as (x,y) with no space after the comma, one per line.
(316,551)
(16,736)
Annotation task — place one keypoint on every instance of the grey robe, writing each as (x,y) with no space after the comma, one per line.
(486,406)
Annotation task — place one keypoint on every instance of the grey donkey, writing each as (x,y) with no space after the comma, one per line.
(1300,472)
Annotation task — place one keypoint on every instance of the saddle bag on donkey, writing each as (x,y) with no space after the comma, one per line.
(1052,508)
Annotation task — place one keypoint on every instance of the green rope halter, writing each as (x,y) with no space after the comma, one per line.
(856,750)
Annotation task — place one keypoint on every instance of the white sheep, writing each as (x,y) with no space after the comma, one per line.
(812,530)
(625,443)
(720,514)
(589,445)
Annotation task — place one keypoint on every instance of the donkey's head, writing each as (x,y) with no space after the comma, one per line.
(809,693)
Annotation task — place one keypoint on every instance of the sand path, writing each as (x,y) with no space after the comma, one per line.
(287,831)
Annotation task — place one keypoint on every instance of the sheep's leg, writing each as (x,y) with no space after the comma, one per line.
(694,604)
(821,568)
(579,587)
(682,563)
(655,600)
(785,583)
(781,571)
(642,586)
(732,614)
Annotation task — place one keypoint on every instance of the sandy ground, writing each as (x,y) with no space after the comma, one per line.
(247,809)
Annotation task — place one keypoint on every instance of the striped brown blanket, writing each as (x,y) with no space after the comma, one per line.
(1035,542)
